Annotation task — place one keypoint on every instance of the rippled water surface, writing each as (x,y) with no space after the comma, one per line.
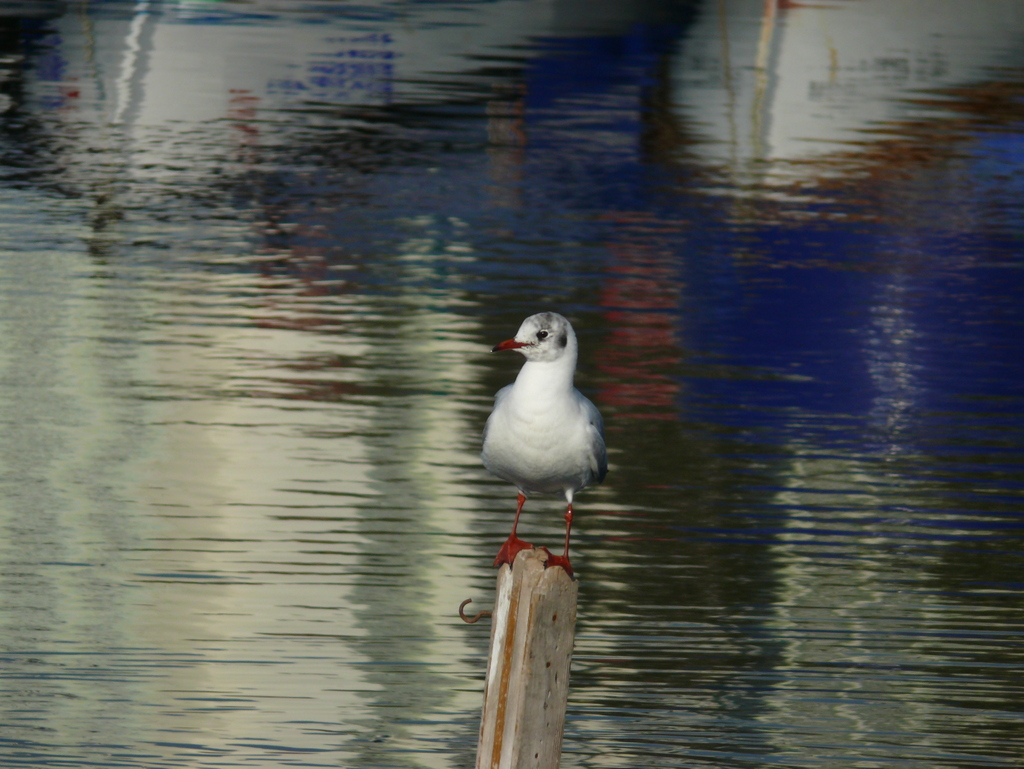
(253,256)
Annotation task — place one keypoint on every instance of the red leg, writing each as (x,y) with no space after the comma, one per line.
(513,544)
(563,559)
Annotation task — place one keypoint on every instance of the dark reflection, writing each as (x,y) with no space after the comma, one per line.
(244,371)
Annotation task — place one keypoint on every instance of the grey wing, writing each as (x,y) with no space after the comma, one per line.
(600,455)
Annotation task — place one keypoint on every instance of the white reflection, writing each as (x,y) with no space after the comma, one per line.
(776,91)
(130,64)
(890,347)
(292,508)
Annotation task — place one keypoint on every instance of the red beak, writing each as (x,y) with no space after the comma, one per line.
(509,344)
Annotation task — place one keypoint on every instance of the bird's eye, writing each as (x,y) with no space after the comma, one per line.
(542,334)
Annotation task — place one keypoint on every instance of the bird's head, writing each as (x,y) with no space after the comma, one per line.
(546,336)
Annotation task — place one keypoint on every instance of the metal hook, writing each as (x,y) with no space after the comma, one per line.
(471,620)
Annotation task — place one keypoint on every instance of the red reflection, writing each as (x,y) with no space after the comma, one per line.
(642,296)
(242,111)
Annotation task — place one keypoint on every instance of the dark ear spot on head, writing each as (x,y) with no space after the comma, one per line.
(563,339)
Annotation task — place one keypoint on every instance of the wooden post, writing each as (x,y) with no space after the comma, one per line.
(527,685)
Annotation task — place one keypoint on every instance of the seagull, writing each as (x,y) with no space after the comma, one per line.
(543,434)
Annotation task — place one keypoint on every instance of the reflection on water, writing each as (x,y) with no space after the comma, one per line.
(252,257)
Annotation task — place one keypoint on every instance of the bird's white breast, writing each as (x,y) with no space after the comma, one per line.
(545,445)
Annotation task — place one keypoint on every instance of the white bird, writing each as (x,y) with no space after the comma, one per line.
(543,434)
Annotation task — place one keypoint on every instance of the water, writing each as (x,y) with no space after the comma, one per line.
(252,257)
